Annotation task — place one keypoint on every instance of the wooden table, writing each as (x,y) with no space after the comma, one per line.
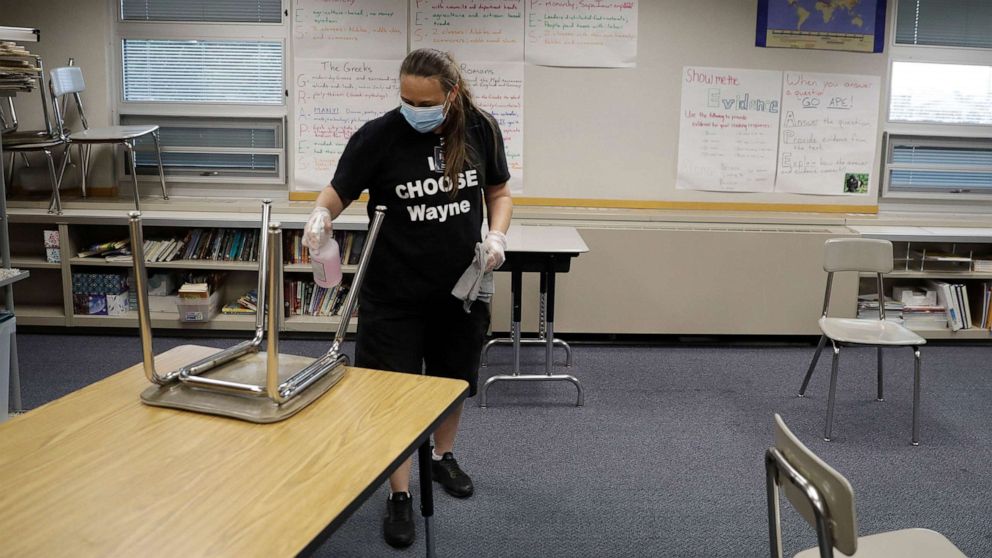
(99,473)
(546,250)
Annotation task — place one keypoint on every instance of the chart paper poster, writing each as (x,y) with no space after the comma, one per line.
(828,133)
(498,88)
(490,30)
(588,33)
(855,25)
(373,29)
(728,129)
(334,97)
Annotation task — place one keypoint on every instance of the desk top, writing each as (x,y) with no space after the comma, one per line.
(98,473)
(540,239)
(925,234)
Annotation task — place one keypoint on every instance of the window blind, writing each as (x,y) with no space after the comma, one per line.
(210,147)
(203,71)
(953,23)
(238,11)
(940,165)
(944,93)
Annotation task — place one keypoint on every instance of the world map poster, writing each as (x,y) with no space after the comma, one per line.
(853,25)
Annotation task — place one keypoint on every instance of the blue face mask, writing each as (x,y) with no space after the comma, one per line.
(423,119)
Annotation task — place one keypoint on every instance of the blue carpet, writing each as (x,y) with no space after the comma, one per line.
(666,456)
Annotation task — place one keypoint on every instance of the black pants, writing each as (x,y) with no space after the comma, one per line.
(435,336)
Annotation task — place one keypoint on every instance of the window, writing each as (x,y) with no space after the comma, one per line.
(940,101)
(212,75)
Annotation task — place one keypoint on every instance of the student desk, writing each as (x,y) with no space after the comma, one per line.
(548,251)
(97,473)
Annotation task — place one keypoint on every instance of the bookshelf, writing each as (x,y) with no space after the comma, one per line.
(47,299)
(944,254)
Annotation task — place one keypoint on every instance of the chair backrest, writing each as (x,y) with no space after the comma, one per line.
(857,254)
(67,79)
(833,489)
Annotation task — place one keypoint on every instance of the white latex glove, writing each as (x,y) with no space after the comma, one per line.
(318,228)
(495,247)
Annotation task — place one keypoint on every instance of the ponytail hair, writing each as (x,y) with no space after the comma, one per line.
(433,63)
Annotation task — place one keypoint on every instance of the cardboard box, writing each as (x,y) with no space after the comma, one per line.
(51,239)
(116,304)
(53,255)
(89,304)
(163,304)
(198,309)
(99,283)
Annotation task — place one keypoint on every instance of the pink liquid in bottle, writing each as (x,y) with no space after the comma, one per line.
(326,263)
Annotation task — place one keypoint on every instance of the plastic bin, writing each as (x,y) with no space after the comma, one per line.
(7,328)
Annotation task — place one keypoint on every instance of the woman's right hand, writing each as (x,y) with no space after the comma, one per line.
(318,228)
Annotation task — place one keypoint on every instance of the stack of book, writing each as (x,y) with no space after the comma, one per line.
(304,298)
(246,304)
(107,249)
(868,308)
(982,265)
(16,75)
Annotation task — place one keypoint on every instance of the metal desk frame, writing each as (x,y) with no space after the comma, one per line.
(548,260)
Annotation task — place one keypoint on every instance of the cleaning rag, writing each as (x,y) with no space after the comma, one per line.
(476,283)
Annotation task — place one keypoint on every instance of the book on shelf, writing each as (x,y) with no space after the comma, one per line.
(355,253)
(305,298)
(101,248)
(245,304)
(953,298)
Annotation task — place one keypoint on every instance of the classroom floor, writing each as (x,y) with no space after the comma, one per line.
(666,457)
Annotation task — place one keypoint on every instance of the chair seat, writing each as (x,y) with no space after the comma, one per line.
(26,136)
(112,133)
(33,145)
(905,543)
(869,332)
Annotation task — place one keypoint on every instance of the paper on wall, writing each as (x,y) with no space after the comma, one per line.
(373,29)
(333,98)
(596,33)
(498,88)
(492,30)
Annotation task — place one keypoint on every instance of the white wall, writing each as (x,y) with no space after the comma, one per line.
(70,28)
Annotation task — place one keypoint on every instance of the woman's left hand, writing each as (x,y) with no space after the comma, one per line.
(494,247)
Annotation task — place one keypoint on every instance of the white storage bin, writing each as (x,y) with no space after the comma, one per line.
(198,309)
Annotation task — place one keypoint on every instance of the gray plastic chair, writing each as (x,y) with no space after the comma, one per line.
(873,256)
(825,499)
(68,80)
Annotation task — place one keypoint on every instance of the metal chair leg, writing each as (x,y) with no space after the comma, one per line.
(131,155)
(84,166)
(812,365)
(830,398)
(56,205)
(161,170)
(880,397)
(916,396)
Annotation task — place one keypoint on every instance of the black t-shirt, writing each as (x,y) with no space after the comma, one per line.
(427,239)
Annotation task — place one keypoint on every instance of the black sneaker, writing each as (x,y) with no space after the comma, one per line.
(397,525)
(447,472)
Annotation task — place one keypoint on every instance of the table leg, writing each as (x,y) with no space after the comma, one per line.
(548,302)
(516,288)
(426,494)
(15,376)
